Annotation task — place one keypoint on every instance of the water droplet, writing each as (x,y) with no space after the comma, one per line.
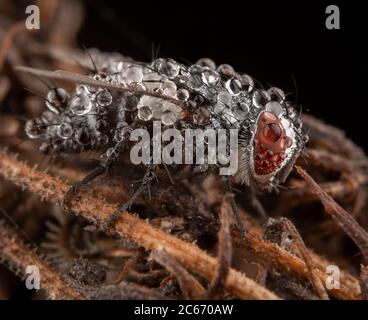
(195,82)
(134,74)
(169,89)
(276,94)
(145,113)
(82,136)
(102,125)
(201,116)
(206,62)
(241,111)
(247,82)
(80,105)
(33,128)
(65,130)
(224,97)
(258,99)
(168,67)
(182,94)
(210,77)
(56,99)
(168,118)
(104,98)
(131,102)
(233,86)
(219,108)
(226,71)
(275,108)
(152,81)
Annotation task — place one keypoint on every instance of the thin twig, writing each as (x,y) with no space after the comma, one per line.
(340,215)
(308,260)
(189,285)
(216,289)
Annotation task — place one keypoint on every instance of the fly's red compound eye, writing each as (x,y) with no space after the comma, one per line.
(270,144)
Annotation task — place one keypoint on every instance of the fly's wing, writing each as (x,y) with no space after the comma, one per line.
(83,79)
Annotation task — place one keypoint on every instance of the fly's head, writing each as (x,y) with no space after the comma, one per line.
(271,141)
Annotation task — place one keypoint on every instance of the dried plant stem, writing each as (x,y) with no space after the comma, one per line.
(308,260)
(19,256)
(189,285)
(280,258)
(340,215)
(131,227)
(224,252)
(8,41)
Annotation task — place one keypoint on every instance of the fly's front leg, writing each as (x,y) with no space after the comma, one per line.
(234,207)
(145,184)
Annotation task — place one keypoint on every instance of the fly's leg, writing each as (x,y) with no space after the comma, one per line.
(256,204)
(75,187)
(111,157)
(145,183)
(234,208)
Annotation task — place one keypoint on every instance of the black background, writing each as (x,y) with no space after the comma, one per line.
(275,42)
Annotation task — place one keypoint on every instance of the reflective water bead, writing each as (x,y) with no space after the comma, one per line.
(224,97)
(275,108)
(104,98)
(80,105)
(145,113)
(276,94)
(131,102)
(33,128)
(241,111)
(48,117)
(225,70)
(233,86)
(82,136)
(182,94)
(219,107)
(201,116)
(195,82)
(152,81)
(169,67)
(247,82)
(56,99)
(258,99)
(210,77)
(168,118)
(81,89)
(206,62)
(102,125)
(210,93)
(65,130)
(169,88)
(134,74)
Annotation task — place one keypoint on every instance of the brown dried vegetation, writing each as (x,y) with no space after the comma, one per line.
(183,242)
